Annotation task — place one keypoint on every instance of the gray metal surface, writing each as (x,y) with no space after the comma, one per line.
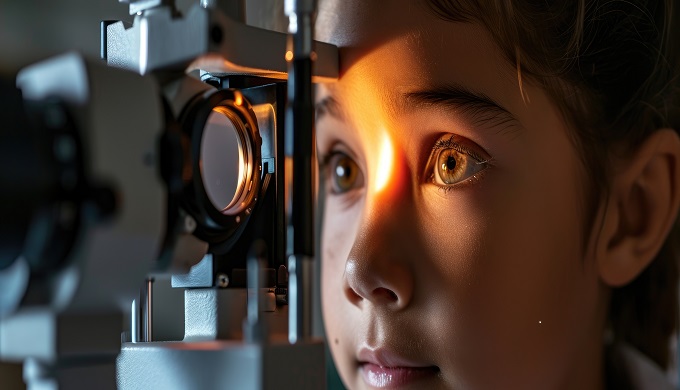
(93,374)
(300,275)
(221,365)
(212,313)
(48,336)
(13,284)
(208,40)
(116,111)
(200,275)
(218,313)
(69,324)
(63,351)
(156,40)
(137,6)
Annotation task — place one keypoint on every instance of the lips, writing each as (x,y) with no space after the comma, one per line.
(383,369)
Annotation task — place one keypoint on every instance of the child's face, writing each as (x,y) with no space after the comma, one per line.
(452,242)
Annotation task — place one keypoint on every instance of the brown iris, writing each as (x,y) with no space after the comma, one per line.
(345,173)
(451,166)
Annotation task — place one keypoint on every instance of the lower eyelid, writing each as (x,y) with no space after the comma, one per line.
(470,181)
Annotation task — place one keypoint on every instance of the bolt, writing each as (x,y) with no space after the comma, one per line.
(222,280)
(189,224)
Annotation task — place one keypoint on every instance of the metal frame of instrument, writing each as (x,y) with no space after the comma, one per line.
(66,325)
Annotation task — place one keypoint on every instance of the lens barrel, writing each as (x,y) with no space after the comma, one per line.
(41,180)
(226,164)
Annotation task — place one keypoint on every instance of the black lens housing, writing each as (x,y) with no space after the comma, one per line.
(214,225)
(43,178)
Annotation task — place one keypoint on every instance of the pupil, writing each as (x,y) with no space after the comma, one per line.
(450,163)
(342,171)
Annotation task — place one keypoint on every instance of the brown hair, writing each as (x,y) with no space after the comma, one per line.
(612,68)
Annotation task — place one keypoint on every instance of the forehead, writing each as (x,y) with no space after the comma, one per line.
(390,48)
(355,22)
(361,23)
(350,23)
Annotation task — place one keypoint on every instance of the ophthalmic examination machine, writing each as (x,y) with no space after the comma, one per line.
(187,151)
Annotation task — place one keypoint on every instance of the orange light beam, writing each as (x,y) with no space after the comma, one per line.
(383,171)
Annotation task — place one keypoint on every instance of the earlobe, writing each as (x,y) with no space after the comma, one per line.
(641,208)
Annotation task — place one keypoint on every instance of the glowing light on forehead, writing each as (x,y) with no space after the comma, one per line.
(383,170)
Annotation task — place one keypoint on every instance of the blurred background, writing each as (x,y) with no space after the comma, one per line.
(33,30)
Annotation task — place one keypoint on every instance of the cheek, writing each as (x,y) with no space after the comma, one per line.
(339,229)
(335,246)
(510,263)
(334,253)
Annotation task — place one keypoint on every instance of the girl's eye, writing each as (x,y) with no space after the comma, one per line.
(345,174)
(453,162)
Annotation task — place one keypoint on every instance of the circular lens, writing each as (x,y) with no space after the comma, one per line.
(224,161)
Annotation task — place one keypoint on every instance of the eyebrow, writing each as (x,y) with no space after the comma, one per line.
(329,105)
(476,106)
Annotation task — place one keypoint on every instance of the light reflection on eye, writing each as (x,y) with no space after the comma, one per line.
(453,162)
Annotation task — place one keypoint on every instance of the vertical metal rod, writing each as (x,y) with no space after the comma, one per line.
(299,298)
(294,302)
(300,146)
(149,311)
(253,276)
(254,327)
(141,310)
(134,321)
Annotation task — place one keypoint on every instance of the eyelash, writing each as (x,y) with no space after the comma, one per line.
(450,143)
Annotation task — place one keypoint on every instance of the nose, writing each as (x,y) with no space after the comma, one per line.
(380,268)
(378,279)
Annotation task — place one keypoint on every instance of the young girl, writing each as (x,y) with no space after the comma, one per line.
(502,178)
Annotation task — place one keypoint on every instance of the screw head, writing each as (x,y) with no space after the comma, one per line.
(222,280)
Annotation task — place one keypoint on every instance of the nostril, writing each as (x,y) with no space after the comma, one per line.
(378,282)
(352,295)
(385,294)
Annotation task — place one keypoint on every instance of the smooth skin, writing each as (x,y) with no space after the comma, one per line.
(484,269)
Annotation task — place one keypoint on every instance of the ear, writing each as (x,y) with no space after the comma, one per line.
(640,210)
